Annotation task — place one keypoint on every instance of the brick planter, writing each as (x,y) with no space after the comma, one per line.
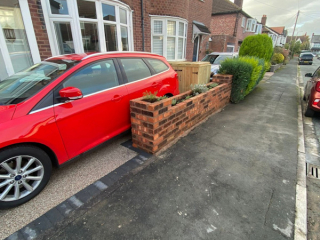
(154,125)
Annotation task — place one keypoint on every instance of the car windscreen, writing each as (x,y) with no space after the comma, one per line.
(28,82)
(220,58)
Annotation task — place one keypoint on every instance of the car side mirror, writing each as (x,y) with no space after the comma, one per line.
(71,93)
(308,75)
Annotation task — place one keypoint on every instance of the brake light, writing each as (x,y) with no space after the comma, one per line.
(316,101)
(318,86)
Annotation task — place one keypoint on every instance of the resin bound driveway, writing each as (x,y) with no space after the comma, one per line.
(233,177)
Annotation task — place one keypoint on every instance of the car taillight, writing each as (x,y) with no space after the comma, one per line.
(318,86)
(316,101)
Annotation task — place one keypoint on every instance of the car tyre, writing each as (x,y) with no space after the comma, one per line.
(308,112)
(24,172)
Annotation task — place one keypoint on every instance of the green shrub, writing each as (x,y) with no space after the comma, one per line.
(277,58)
(257,46)
(152,97)
(257,70)
(199,88)
(241,71)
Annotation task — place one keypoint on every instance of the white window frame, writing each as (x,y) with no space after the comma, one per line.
(243,23)
(33,46)
(231,46)
(75,20)
(251,25)
(258,28)
(164,20)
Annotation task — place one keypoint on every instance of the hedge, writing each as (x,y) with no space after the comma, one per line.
(257,71)
(257,46)
(241,71)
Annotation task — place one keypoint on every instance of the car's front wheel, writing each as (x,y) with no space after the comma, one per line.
(24,171)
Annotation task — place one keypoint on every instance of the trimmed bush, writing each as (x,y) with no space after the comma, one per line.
(257,46)
(277,58)
(241,71)
(257,72)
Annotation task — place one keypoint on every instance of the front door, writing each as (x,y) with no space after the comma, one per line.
(98,116)
(15,53)
(195,49)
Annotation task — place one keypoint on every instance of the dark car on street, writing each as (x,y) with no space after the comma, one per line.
(305,58)
(312,93)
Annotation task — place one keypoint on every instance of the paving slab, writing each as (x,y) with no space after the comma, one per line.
(233,177)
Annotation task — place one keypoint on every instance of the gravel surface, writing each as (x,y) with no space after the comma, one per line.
(66,182)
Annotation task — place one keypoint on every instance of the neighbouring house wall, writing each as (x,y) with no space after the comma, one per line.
(223,31)
(191,10)
(39,28)
(223,24)
(241,33)
(219,42)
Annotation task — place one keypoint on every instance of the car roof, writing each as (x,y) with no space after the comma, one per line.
(223,53)
(82,56)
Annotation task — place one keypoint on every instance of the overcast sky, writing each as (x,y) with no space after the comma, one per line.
(283,13)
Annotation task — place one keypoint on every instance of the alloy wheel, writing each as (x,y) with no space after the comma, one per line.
(19,177)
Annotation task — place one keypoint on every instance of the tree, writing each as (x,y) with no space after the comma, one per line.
(294,47)
(257,46)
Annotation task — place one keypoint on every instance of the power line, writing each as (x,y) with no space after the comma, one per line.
(271,5)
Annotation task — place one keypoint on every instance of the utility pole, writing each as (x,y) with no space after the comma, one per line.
(294,28)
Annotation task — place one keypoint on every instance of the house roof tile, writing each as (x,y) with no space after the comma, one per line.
(279,30)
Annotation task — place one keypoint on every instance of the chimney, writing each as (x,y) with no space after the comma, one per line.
(264,20)
(239,3)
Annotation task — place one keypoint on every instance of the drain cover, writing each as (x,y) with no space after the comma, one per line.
(313,171)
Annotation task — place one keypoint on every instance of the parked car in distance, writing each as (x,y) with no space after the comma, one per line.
(312,93)
(215,59)
(66,105)
(305,58)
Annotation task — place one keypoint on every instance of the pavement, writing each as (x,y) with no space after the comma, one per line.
(232,177)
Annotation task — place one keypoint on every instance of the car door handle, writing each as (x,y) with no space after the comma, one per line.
(116,98)
(155,84)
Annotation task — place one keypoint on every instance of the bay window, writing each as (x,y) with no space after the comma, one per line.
(168,37)
(79,26)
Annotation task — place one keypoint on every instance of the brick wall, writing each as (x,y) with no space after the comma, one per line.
(223,31)
(39,28)
(187,9)
(155,125)
(219,43)
(191,10)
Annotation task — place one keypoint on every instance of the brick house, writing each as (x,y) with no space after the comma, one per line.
(230,25)
(315,43)
(277,34)
(33,30)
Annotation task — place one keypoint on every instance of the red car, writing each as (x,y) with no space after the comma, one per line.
(312,93)
(66,105)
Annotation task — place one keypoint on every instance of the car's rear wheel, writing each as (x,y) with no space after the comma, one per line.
(308,111)
(24,171)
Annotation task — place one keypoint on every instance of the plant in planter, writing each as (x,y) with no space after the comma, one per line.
(152,97)
(199,88)
(212,85)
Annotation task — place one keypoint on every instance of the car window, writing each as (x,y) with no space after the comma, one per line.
(135,69)
(94,78)
(317,73)
(219,59)
(157,65)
